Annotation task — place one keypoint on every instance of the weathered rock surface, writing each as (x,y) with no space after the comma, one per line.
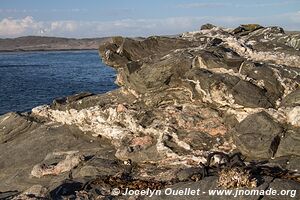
(33,143)
(262,134)
(180,99)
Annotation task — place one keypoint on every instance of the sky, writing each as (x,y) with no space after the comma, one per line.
(100,18)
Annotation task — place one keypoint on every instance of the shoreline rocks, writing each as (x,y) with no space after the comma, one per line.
(180,100)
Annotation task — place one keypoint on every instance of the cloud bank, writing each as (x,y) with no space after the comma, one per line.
(236,5)
(10,27)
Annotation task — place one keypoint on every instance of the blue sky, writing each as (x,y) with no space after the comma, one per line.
(98,18)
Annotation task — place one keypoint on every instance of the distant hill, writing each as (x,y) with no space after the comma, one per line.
(37,43)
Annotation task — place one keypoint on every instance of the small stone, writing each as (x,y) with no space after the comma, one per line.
(121,108)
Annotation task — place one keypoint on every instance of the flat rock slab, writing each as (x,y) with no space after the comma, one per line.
(30,147)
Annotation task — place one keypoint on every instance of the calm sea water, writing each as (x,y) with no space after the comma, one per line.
(29,79)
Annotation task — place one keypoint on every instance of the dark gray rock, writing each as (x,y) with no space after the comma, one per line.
(66,102)
(256,136)
(289,143)
(293,163)
(98,165)
(220,57)
(188,173)
(246,29)
(250,95)
(207,26)
(291,100)
(285,189)
(8,195)
(13,124)
(265,73)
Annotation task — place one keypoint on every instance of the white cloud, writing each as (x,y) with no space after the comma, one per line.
(134,27)
(28,26)
(55,10)
(130,27)
(8,10)
(202,5)
(293,16)
(264,5)
(13,27)
(237,5)
(63,26)
(68,10)
(290,20)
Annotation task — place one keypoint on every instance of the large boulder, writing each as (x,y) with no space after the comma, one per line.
(258,136)
(245,29)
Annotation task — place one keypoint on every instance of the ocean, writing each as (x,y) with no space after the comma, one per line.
(29,79)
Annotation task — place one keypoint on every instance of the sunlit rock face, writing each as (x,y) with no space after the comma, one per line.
(238,73)
(180,98)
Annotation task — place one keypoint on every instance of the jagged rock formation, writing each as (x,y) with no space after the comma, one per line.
(180,98)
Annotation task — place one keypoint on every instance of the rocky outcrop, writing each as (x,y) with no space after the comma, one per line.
(185,106)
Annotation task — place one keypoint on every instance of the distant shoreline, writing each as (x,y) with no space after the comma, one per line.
(37,43)
(44,50)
